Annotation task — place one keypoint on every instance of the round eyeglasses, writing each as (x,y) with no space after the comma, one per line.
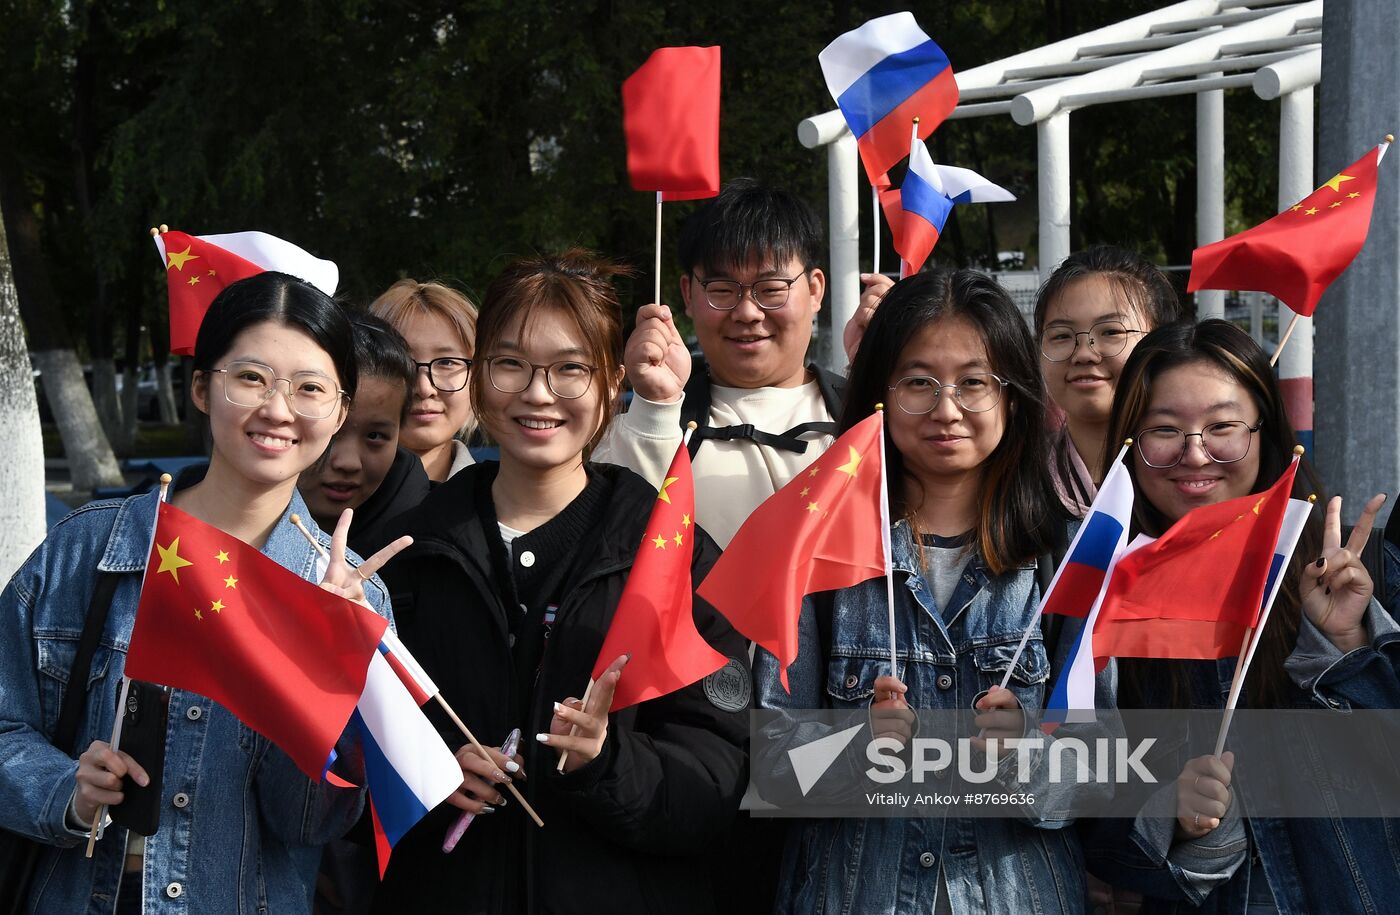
(1107,338)
(768,294)
(568,379)
(447,373)
(1162,447)
(252,384)
(977,393)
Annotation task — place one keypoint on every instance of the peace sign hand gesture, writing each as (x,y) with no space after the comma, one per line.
(1337,588)
(349,581)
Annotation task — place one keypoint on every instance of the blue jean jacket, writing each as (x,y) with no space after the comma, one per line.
(1306,865)
(241,827)
(947,656)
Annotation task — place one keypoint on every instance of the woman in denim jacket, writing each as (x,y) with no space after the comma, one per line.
(241,827)
(1329,644)
(970,487)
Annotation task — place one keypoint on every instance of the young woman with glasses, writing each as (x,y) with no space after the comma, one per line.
(1208,424)
(950,357)
(241,828)
(508,595)
(439,325)
(1088,317)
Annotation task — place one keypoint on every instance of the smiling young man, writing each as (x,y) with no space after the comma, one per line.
(752,287)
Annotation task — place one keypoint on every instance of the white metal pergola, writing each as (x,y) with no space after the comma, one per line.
(1194,47)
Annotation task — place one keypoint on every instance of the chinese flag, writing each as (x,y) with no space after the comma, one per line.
(1299,252)
(195,272)
(670,115)
(1194,591)
(219,618)
(821,531)
(653,622)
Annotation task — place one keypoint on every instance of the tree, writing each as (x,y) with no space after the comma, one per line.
(22,459)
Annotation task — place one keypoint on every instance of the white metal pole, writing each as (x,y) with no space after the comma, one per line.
(1295,181)
(843,279)
(1210,187)
(1052,152)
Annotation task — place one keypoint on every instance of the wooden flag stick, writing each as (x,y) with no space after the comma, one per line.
(657,296)
(885,543)
(1236,684)
(295,521)
(573,729)
(525,805)
(875,224)
(1283,341)
(482,751)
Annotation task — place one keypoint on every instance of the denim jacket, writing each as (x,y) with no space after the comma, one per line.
(947,656)
(1308,865)
(240,826)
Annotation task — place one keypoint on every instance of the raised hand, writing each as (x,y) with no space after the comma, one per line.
(349,581)
(1336,588)
(1203,794)
(656,358)
(580,730)
(876,285)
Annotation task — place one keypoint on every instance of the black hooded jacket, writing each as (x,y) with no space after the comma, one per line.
(627,831)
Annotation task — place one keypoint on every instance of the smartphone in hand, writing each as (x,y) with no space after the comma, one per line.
(143,739)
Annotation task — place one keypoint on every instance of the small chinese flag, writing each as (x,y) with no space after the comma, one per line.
(654,622)
(219,618)
(670,115)
(1194,591)
(819,532)
(1299,252)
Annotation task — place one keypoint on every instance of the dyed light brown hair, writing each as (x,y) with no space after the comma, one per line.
(577,284)
(408,298)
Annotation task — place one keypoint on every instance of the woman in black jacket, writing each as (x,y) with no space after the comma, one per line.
(506,596)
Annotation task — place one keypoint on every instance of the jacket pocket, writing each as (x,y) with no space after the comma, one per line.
(1032,668)
(55,655)
(851,681)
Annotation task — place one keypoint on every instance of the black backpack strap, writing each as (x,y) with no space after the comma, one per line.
(696,409)
(75,696)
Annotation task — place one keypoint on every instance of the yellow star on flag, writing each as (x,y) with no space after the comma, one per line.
(177,258)
(194,281)
(1310,211)
(211,273)
(230,582)
(660,542)
(1354,194)
(814,471)
(805,490)
(662,495)
(1332,206)
(1296,207)
(197,614)
(813,507)
(222,556)
(851,465)
(217,606)
(679,540)
(170,559)
(685,521)
(1336,182)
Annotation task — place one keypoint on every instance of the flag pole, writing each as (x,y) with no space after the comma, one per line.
(296,521)
(875,224)
(115,742)
(1283,341)
(657,297)
(885,541)
(913,138)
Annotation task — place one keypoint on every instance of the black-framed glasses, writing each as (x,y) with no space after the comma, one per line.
(1107,338)
(769,294)
(446,373)
(975,393)
(568,378)
(252,384)
(1162,447)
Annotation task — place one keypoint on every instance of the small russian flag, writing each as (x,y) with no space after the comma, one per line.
(420,686)
(882,76)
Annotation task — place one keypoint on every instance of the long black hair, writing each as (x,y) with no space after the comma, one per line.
(1019,515)
(1219,346)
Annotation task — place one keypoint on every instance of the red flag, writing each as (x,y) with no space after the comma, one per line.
(819,532)
(1194,591)
(220,619)
(670,114)
(1299,252)
(195,272)
(653,622)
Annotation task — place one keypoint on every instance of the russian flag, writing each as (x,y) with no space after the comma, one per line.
(1078,587)
(1295,518)
(409,770)
(882,76)
(420,686)
(918,211)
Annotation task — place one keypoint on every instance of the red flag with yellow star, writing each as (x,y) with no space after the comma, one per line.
(819,532)
(1194,591)
(1297,254)
(654,621)
(195,272)
(219,618)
